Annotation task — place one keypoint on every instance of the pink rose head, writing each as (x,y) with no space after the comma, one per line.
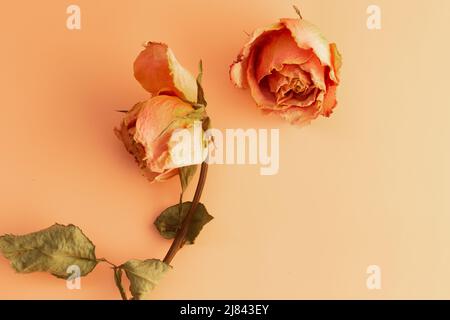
(291,70)
(148,132)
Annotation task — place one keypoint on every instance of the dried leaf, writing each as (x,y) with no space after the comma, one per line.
(51,250)
(186,175)
(144,275)
(171,219)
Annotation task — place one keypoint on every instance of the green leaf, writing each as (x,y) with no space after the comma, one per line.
(118,282)
(200,92)
(52,250)
(170,220)
(186,175)
(144,275)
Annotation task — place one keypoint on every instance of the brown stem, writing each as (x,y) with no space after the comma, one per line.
(180,238)
(298,11)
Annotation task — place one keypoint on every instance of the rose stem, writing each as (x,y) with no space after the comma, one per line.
(179,240)
(298,11)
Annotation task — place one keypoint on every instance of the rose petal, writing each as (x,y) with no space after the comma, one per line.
(262,96)
(308,36)
(280,49)
(237,75)
(305,101)
(153,128)
(316,70)
(329,102)
(276,80)
(238,70)
(158,71)
(336,61)
(160,162)
(280,83)
(126,132)
(301,116)
(295,72)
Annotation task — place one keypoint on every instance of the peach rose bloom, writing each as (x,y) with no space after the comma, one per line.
(291,70)
(147,131)
(148,128)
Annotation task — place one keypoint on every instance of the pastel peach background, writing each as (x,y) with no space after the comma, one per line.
(368,186)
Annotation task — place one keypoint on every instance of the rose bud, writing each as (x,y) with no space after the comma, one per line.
(148,133)
(159,72)
(291,70)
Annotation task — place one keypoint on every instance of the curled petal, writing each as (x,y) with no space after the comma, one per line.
(308,36)
(301,116)
(293,71)
(306,101)
(262,95)
(237,75)
(125,133)
(316,71)
(336,61)
(292,87)
(238,70)
(280,49)
(329,102)
(154,126)
(276,82)
(159,72)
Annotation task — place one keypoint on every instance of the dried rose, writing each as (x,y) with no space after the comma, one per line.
(291,70)
(177,102)
(148,129)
